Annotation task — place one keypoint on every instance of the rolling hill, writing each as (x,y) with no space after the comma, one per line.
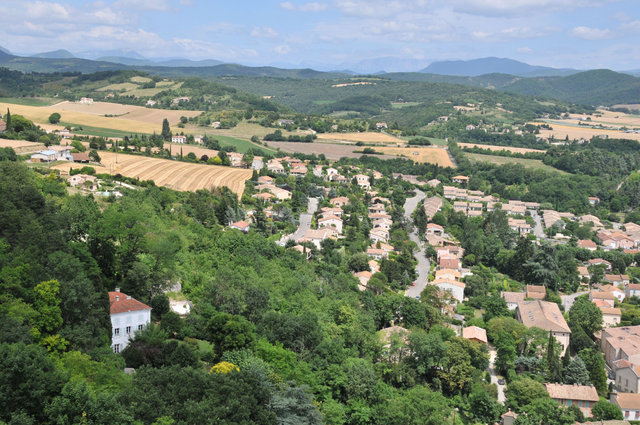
(56,54)
(482,66)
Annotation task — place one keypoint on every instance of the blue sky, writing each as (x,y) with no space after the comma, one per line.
(335,34)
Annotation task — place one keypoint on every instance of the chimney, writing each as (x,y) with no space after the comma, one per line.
(117,289)
(117,298)
(128,297)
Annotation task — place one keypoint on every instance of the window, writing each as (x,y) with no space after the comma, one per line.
(140,327)
(116,331)
(579,404)
(568,403)
(116,348)
(586,404)
(128,330)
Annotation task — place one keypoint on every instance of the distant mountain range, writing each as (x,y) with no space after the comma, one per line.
(476,67)
(593,87)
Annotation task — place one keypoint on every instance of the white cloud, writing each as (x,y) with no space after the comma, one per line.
(306,7)
(147,5)
(264,32)
(47,10)
(524,50)
(282,49)
(587,33)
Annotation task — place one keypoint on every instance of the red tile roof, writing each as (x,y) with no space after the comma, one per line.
(122,303)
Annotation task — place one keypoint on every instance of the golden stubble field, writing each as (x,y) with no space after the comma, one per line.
(616,120)
(21,146)
(172,174)
(366,137)
(134,119)
(439,156)
(499,148)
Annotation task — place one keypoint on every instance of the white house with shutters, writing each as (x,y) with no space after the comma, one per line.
(128,316)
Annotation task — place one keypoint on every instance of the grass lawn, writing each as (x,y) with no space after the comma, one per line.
(30,101)
(499,160)
(99,131)
(241,145)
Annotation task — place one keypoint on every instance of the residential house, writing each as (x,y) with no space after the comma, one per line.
(275,167)
(448,274)
(617,279)
(340,201)
(454,287)
(512,298)
(589,218)
(257,163)
(81,157)
(377,208)
(331,172)
(128,316)
(435,229)
(86,100)
(602,298)
(240,225)
(587,244)
(474,209)
(151,102)
(460,179)
(331,221)
(303,250)
(377,253)
(434,183)
(616,291)
(611,316)
(82,179)
(299,171)
(509,418)
(519,225)
(621,343)
(53,153)
(331,211)
(514,208)
(537,292)
(266,180)
(599,262)
(629,403)
(284,123)
(460,206)
(363,277)
(547,316)
(381,125)
(632,290)
(432,206)
(627,377)
(383,224)
(363,181)
(178,139)
(582,396)
(265,196)
(583,272)
(449,262)
(594,200)
(317,171)
(378,235)
(317,236)
(475,333)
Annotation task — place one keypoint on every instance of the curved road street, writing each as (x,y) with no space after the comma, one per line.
(424,265)
(305,223)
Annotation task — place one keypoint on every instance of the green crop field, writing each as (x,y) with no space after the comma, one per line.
(500,160)
(30,101)
(241,145)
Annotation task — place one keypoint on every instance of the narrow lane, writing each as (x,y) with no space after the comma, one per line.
(424,265)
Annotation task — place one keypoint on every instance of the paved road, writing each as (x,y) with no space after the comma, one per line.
(494,375)
(305,223)
(538,230)
(423,263)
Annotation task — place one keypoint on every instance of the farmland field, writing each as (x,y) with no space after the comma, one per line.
(330,150)
(176,175)
(30,101)
(433,155)
(499,148)
(21,146)
(136,119)
(500,160)
(367,137)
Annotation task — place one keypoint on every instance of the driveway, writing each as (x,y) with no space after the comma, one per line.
(494,375)
(424,265)
(305,223)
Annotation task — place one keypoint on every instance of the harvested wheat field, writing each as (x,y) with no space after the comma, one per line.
(366,137)
(499,148)
(129,112)
(560,132)
(172,174)
(437,156)
(330,150)
(21,146)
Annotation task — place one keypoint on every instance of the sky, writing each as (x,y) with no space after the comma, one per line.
(372,35)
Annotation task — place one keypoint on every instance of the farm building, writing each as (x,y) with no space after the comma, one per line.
(178,139)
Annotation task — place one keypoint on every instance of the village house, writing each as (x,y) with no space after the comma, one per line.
(621,343)
(611,316)
(377,253)
(434,183)
(317,236)
(583,272)
(602,298)
(81,157)
(449,262)
(303,250)
(363,277)
(453,287)
(317,171)
(435,229)
(257,163)
(128,316)
(519,225)
(240,225)
(475,333)
(594,200)
(151,102)
(627,377)
(331,210)
(381,125)
(616,291)
(589,218)
(178,139)
(432,206)
(536,292)
(582,396)
(460,179)
(587,244)
(331,221)
(512,298)
(599,262)
(86,100)
(546,316)
(514,208)
(265,180)
(448,274)
(180,99)
(378,235)
(383,224)
(460,206)
(363,181)
(616,279)
(632,290)
(629,403)
(340,201)
(299,171)
(275,167)
(84,180)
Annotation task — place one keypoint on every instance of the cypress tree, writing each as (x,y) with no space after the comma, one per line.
(8,120)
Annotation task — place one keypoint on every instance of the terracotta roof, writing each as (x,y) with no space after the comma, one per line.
(602,295)
(122,303)
(572,392)
(587,244)
(537,288)
(629,401)
(542,314)
(610,310)
(241,224)
(449,263)
(474,332)
(610,288)
(622,363)
(512,297)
